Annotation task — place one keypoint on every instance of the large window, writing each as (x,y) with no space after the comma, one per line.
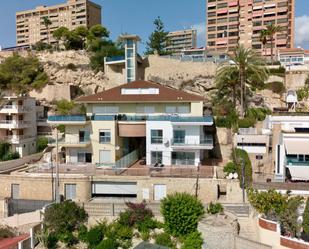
(104,136)
(156,157)
(84,157)
(179,136)
(84,136)
(156,136)
(183,158)
(145,109)
(177,109)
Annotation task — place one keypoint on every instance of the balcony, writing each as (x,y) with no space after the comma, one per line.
(115,60)
(178,120)
(14,124)
(71,143)
(14,109)
(185,143)
(67,119)
(299,170)
(16,139)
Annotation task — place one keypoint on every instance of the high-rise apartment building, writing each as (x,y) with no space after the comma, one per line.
(30,27)
(230,22)
(180,40)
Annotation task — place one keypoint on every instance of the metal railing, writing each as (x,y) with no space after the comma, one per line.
(295,162)
(14,122)
(115,58)
(123,162)
(173,118)
(64,140)
(16,107)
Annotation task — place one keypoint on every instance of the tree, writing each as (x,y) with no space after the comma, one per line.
(263,38)
(241,157)
(181,213)
(98,31)
(271,31)
(47,23)
(83,33)
(61,34)
(306,218)
(65,217)
(65,107)
(250,69)
(22,74)
(158,39)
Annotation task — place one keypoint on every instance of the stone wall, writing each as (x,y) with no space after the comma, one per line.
(295,79)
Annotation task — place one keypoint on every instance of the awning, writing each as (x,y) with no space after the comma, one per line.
(231,4)
(222,11)
(297,147)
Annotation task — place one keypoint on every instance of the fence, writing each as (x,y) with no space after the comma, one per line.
(13,164)
(96,209)
(31,241)
(19,206)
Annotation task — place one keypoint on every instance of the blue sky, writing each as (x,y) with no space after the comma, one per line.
(136,16)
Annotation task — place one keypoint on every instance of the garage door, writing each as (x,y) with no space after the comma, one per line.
(121,189)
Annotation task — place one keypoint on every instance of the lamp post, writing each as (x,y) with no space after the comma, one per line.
(243,172)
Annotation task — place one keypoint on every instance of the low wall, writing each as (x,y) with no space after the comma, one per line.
(18,220)
(10,165)
(270,234)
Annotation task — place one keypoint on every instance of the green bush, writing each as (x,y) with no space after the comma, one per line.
(95,236)
(68,239)
(181,213)
(121,234)
(147,224)
(145,235)
(11,156)
(4,149)
(107,244)
(6,232)
(193,241)
(257,113)
(41,143)
(227,121)
(306,218)
(238,156)
(215,208)
(246,123)
(276,87)
(230,167)
(277,71)
(164,239)
(82,233)
(47,239)
(64,217)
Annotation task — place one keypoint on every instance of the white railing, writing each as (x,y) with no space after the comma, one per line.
(14,122)
(16,107)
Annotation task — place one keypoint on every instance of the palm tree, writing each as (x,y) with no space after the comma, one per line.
(250,69)
(47,23)
(271,30)
(263,39)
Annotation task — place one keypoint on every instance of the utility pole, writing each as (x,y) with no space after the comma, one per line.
(243,173)
(52,175)
(57,171)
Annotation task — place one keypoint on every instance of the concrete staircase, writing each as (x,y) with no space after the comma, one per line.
(247,228)
(239,209)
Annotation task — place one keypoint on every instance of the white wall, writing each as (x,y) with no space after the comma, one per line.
(192,136)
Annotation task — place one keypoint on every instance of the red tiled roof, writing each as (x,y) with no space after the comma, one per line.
(12,242)
(166,94)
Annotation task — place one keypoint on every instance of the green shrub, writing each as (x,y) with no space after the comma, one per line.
(61,128)
(164,239)
(11,156)
(41,46)
(6,232)
(47,239)
(181,212)
(230,167)
(71,66)
(68,239)
(276,87)
(257,113)
(246,123)
(4,149)
(306,218)
(64,217)
(238,157)
(193,241)
(277,71)
(147,224)
(41,143)
(107,244)
(95,236)
(303,93)
(65,107)
(215,208)
(121,234)
(145,235)
(82,233)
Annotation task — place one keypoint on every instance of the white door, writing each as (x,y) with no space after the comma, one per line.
(105,156)
(159,192)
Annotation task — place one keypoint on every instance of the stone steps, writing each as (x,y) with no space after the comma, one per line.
(241,210)
(247,229)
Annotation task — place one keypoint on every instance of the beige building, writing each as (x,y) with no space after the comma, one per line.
(180,40)
(30,27)
(230,22)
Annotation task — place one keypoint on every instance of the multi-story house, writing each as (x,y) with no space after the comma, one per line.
(180,40)
(30,27)
(162,124)
(18,123)
(231,22)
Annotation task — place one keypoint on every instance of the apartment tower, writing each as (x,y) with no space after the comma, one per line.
(230,22)
(30,27)
(180,40)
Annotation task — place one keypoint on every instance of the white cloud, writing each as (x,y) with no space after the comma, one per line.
(302,31)
(201,33)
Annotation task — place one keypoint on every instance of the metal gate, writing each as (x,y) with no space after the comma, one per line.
(19,206)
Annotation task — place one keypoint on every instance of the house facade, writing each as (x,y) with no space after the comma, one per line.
(162,125)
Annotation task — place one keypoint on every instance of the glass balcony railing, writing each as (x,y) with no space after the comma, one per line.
(67,118)
(192,142)
(115,58)
(296,162)
(181,119)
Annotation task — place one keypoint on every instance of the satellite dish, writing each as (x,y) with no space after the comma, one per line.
(235,175)
(117,147)
(231,175)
